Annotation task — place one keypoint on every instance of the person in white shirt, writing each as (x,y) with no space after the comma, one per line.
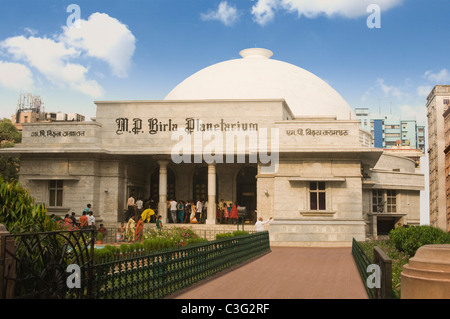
(259,225)
(91,220)
(199,209)
(173,210)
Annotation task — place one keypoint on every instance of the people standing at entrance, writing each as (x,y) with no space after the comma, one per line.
(221,207)
(187,211)
(91,220)
(131,206)
(74,220)
(83,221)
(159,224)
(198,210)
(193,218)
(67,220)
(139,231)
(234,213)
(173,210)
(131,229)
(259,225)
(226,213)
(139,206)
(180,211)
(87,209)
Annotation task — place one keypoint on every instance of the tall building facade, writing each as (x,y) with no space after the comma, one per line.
(447,163)
(390,131)
(438,102)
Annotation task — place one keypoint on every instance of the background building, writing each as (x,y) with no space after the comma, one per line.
(30,109)
(438,102)
(390,131)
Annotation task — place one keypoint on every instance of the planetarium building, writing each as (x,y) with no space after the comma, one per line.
(265,134)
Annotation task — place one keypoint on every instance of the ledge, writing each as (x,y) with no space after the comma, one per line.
(318,213)
(317,179)
(51,177)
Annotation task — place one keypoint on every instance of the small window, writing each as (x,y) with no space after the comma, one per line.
(391,203)
(377,201)
(317,196)
(55,193)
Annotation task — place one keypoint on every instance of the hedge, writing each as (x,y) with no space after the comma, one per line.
(409,239)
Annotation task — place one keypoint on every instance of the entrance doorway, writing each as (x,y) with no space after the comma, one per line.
(200,184)
(154,182)
(246,192)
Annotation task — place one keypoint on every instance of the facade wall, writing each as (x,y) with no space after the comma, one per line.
(436,105)
(104,161)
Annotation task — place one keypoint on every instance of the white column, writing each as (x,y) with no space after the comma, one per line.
(162,204)
(211,210)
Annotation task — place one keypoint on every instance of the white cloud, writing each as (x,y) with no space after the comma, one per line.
(105,38)
(389,90)
(440,77)
(424,90)
(57,59)
(51,59)
(264,10)
(225,13)
(418,112)
(16,76)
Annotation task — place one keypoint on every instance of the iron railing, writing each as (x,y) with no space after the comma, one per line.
(160,274)
(384,291)
(362,262)
(36,265)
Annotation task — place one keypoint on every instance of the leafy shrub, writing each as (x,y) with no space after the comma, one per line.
(409,239)
(224,235)
(18,211)
(240,233)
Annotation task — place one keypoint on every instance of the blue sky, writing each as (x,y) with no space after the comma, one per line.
(140,50)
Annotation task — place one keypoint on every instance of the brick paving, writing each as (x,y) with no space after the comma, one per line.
(287,273)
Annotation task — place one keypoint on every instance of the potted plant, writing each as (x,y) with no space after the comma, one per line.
(99,238)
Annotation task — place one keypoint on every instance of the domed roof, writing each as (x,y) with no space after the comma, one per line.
(256,76)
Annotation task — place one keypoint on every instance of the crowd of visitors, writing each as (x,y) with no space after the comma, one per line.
(181,212)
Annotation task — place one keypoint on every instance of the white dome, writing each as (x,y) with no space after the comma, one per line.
(256,76)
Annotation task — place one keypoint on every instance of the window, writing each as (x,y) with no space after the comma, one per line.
(317,196)
(384,201)
(55,193)
(377,201)
(391,201)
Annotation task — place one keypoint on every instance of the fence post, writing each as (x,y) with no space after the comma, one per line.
(7,264)
(385,263)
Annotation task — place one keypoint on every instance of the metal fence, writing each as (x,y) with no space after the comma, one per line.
(36,266)
(384,290)
(157,275)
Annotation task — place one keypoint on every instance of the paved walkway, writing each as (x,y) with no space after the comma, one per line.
(287,273)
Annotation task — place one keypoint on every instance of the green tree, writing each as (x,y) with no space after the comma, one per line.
(9,135)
